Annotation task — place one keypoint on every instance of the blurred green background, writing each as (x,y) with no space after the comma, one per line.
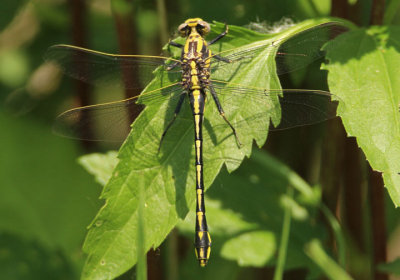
(46,198)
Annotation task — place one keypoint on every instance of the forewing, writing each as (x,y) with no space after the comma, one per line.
(290,53)
(118,71)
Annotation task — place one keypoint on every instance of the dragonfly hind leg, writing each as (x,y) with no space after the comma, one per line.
(177,109)
(222,114)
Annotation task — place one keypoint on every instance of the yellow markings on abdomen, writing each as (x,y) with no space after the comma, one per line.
(196,108)
(198,153)
(199,194)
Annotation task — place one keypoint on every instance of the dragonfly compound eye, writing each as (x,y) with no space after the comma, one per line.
(183,30)
(203,28)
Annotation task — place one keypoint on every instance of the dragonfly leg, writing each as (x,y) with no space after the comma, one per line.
(177,109)
(220,35)
(222,113)
(174,44)
(173,65)
(221,58)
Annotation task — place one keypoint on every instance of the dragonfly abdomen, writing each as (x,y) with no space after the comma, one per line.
(196,73)
(202,240)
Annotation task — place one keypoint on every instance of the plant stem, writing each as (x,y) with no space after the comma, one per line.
(123,14)
(390,11)
(378,222)
(339,237)
(280,266)
(83,91)
(377,12)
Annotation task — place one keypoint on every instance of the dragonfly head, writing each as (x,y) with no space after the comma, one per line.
(194,25)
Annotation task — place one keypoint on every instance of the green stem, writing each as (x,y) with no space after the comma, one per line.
(334,272)
(287,216)
(390,11)
(339,237)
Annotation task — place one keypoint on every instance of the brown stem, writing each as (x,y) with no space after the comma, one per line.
(339,8)
(123,14)
(377,12)
(343,9)
(331,169)
(378,222)
(353,218)
(83,90)
(353,194)
(154,265)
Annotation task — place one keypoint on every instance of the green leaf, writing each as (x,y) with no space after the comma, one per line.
(44,195)
(22,259)
(100,165)
(390,11)
(392,267)
(169,176)
(8,11)
(364,73)
(253,248)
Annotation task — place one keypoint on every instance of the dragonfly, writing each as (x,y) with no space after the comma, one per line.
(197,75)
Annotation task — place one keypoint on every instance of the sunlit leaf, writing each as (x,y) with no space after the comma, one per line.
(364,72)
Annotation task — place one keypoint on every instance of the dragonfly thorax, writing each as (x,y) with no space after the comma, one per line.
(195,57)
(195,74)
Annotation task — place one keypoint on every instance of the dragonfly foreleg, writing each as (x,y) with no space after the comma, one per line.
(220,35)
(222,113)
(174,44)
(177,109)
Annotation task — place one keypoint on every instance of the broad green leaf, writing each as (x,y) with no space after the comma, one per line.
(391,267)
(364,73)
(44,194)
(169,175)
(23,259)
(8,11)
(100,165)
(262,244)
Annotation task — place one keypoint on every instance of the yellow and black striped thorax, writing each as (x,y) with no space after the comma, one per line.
(196,55)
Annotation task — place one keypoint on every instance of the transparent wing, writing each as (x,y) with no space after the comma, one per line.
(290,54)
(295,107)
(118,71)
(110,121)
